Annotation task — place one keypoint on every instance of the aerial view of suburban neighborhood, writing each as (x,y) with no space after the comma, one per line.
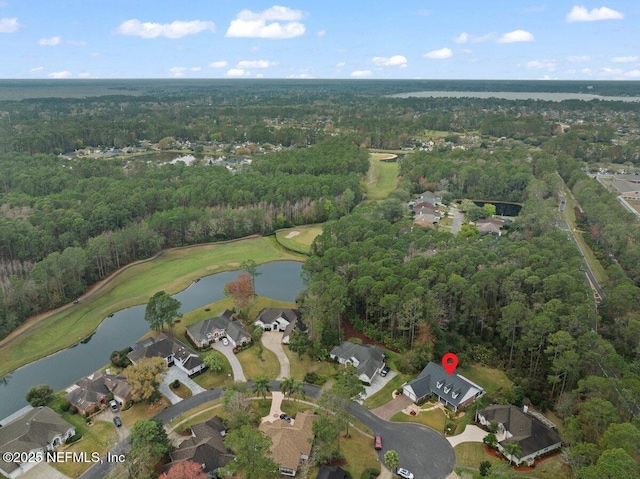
(327,265)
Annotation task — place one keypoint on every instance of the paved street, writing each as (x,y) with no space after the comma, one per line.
(458,218)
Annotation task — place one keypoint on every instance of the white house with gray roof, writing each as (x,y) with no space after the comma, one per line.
(211,330)
(368,360)
(174,352)
(37,431)
(454,391)
(280,319)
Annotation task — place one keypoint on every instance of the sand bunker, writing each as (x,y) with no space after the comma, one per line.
(293,234)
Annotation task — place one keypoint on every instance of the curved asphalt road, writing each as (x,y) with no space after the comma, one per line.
(422,450)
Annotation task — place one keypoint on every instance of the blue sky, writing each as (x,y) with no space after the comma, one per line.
(383,39)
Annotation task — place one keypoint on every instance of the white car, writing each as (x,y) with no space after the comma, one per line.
(225,342)
(404,473)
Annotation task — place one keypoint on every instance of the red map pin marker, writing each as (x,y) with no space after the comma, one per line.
(449,363)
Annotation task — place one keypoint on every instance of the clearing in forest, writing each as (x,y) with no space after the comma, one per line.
(382,177)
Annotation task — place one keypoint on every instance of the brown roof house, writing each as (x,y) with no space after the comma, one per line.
(291,443)
(35,432)
(205,447)
(280,319)
(91,393)
(169,348)
(534,433)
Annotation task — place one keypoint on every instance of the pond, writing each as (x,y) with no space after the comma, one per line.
(279,280)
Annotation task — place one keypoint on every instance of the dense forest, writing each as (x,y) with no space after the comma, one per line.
(518,302)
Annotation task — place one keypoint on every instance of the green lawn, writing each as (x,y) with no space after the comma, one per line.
(299,238)
(173,271)
(253,366)
(359,453)
(300,366)
(382,178)
(384,395)
(434,419)
(293,407)
(183,391)
(491,379)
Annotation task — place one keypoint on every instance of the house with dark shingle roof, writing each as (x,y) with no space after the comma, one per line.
(367,359)
(534,435)
(454,391)
(280,319)
(37,431)
(331,472)
(290,442)
(171,350)
(212,330)
(205,447)
(91,393)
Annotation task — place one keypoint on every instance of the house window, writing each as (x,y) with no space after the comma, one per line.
(439,384)
(455,394)
(447,389)
(287,471)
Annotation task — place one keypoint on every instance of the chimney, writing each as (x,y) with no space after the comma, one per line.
(525,408)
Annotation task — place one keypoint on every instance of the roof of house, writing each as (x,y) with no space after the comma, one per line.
(488,228)
(331,472)
(205,447)
(164,346)
(269,315)
(202,331)
(290,441)
(236,331)
(450,385)
(625,186)
(33,430)
(529,432)
(90,390)
(370,358)
(429,196)
(426,218)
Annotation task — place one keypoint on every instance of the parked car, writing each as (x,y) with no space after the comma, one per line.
(404,473)
(378,443)
(113,404)
(285,417)
(118,422)
(385,371)
(225,342)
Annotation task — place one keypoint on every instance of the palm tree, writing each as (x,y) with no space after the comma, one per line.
(261,386)
(286,386)
(296,387)
(512,450)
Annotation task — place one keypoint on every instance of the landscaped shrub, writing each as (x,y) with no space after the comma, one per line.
(370,473)
(314,378)
(76,437)
(175,384)
(65,406)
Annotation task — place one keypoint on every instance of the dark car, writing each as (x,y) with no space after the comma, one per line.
(284,417)
(117,421)
(385,371)
(378,443)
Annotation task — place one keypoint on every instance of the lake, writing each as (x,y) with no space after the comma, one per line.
(279,280)
(512,95)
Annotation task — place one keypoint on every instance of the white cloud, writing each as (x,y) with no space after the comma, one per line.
(36,69)
(300,75)
(578,58)
(586,71)
(361,73)
(341,64)
(266,24)
(237,72)
(221,64)
(613,71)
(177,29)
(516,36)
(396,60)
(49,42)
(177,72)
(465,37)
(84,75)
(321,33)
(195,69)
(633,74)
(627,59)
(254,64)
(62,74)
(9,25)
(581,14)
(541,65)
(439,54)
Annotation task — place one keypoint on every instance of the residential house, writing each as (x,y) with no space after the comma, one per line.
(290,442)
(454,391)
(429,197)
(368,360)
(331,472)
(534,433)
(280,319)
(205,447)
(169,348)
(37,431)
(91,393)
(212,330)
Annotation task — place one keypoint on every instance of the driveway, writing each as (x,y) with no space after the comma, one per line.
(272,340)
(175,372)
(471,434)
(458,217)
(387,411)
(236,367)
(378,383)
(276,404)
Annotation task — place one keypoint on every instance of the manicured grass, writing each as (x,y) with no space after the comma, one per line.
(359,453)
(300,366)
(253,366)
(172,271)
(206,408)
(434,419)
(302,241)
(384,395)
(183,391)
(293,407)
(381,179)
(99,437)
(491,379)
(141,411)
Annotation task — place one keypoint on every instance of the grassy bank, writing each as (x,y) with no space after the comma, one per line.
(382,177)
(172,271)
(299,238)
